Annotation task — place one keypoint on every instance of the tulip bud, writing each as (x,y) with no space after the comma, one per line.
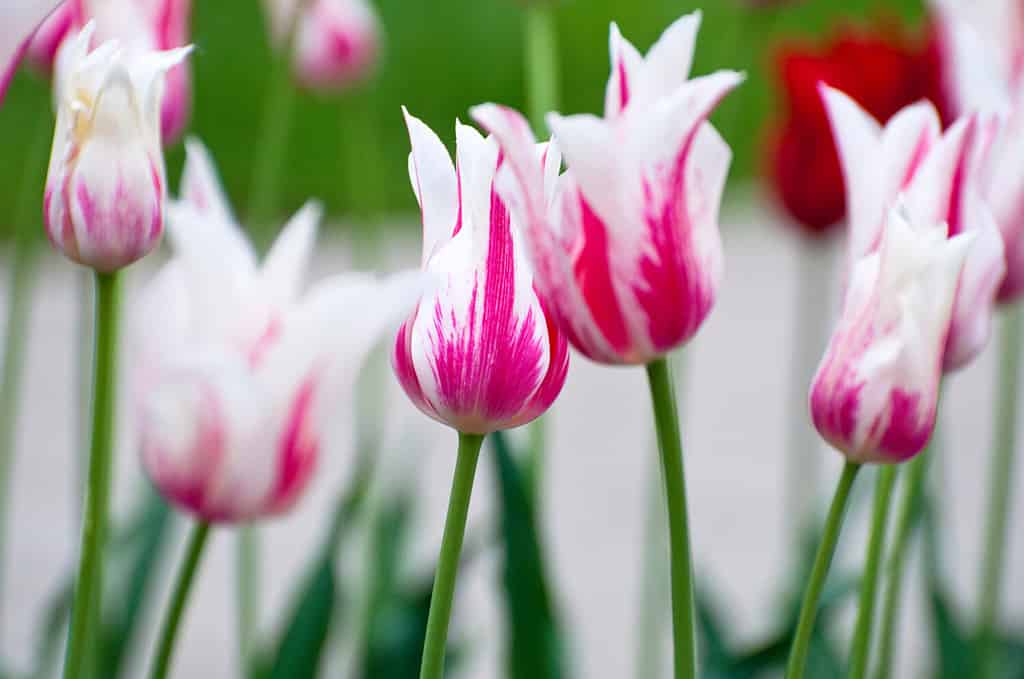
(934,173)
(479,353)
(625,245)
(105,189)
(234,367)
(335,44)
(875,394)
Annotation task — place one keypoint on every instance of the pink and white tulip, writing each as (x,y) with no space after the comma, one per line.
(479,353)
(106,188)
(625,245)
(19,19)
(234,368)
(875,394)
(910,159)
(336,41)
(984,50)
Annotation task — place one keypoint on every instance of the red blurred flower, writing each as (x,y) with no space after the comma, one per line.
(882,68)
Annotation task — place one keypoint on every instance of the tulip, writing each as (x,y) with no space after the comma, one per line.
(875,393)
(234,367)
(882,69)
(910,156)
(625,246)
(335,43)
(105,188)
(480,353)
(20,19)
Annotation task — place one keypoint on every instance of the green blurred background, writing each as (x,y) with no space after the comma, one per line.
(440,57)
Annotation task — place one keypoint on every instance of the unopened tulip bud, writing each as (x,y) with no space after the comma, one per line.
(335,44)
(105,189)
(875,394)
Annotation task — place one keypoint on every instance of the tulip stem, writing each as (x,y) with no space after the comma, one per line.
(248,581)
(440,614)
(24,257)
(179,598)
(85,612)
(822,562)
(542,74)
(1001,481)
(861,651)
(910,503)
(666,419)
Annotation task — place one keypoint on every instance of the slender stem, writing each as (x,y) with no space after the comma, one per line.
(1000,488)
(666,418)
(89,583)
(248,592)
(654,589)
(910,502)
(822,562)
(861,652)
(542,74)
(179,598)
(24,258)
(440,614)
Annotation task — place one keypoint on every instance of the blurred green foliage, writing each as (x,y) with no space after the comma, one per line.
(440,58)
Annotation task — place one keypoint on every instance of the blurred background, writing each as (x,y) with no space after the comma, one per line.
(564,574)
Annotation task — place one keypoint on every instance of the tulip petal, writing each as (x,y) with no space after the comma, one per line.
(286,264)
(200,186)
(434,182)
(668,62)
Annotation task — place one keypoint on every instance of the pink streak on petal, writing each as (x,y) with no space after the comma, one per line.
(592,270)
(558,369)
(675,295)
(266,341)
(189,488)
(405,370)
(907,432)
(623,83)
(298,450)
(924,145)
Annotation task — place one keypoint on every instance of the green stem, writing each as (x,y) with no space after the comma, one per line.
(248,591)
(666,418)
(89,583)
(542,74)
(910,502)
(24,257)
(179,598)
(861,652)
(440,614)
(1001,481)
(822,562)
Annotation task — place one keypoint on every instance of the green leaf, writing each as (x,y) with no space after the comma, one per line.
(534,648)
(298,656)
(314,608)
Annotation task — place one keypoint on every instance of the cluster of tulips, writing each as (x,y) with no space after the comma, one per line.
(605,238)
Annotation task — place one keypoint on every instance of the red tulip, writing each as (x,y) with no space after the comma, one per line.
(883,70)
